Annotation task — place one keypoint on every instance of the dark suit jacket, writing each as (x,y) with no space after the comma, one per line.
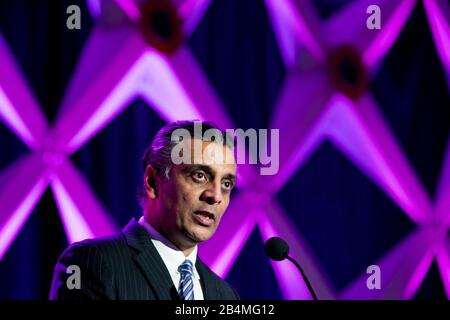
(127,266)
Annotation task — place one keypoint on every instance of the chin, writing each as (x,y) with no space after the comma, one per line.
(201,235)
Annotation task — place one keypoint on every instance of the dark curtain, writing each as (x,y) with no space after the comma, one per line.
(347,221)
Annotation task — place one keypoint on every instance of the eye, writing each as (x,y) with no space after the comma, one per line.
(227,185)
(199,176)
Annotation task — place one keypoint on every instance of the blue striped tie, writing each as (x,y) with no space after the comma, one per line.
(186,289)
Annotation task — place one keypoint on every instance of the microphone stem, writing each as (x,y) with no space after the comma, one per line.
(304,277)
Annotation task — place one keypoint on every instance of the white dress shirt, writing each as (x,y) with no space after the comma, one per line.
(173,258)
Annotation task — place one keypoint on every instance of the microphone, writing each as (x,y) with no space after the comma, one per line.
(277,249)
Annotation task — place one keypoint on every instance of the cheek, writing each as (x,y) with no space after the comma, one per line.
(223,207)
(187,202)
(190,194)
(226,202)
(187,198)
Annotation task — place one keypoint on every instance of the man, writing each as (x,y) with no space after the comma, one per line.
(156,257)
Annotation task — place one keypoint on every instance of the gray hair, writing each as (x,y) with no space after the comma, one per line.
(158,154)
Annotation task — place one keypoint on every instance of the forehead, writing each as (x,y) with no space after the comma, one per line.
(217,156)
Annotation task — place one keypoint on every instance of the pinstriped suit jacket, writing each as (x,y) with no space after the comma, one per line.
(126,266)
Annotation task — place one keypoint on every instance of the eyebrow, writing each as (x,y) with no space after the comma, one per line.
(210,171)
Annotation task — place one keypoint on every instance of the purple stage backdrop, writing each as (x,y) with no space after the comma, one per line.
(325,97)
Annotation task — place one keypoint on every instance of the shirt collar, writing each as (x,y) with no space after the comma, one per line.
(171,255)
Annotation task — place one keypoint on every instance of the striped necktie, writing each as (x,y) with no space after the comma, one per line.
(186,289)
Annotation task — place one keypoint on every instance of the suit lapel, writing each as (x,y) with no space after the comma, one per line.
(210,291)
(149,262)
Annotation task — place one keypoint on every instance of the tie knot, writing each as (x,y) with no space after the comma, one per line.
(186,267)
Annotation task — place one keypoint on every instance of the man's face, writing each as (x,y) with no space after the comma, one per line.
(196,196)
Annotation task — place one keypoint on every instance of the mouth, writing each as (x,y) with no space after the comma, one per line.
(204,218)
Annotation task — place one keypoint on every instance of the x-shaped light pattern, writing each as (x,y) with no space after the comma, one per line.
(322,100)
(438,14)
(24,182)
(187,95)
(118,65)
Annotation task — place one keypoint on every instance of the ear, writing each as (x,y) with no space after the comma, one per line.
(151,182)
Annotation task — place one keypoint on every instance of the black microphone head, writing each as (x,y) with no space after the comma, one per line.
(276,249)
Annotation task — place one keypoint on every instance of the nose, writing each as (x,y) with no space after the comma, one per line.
(213,194)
